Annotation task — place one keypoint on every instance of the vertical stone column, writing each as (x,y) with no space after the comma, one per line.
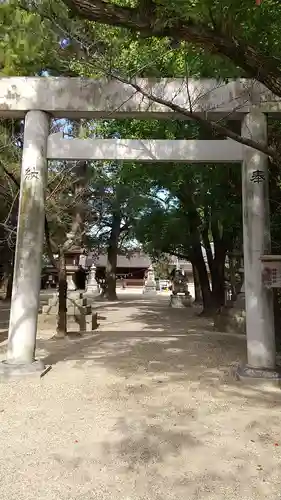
(256,241)
(29,246)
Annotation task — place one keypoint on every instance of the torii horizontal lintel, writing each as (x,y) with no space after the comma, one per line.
(77,98)
(188,151)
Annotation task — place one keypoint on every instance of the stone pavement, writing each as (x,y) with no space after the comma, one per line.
(143,409)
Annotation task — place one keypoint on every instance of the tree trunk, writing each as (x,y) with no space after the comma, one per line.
(208,249)
(62,309)
(79,187)
(197,287)
(232,277)
(77,227)
(111,274)
(199,263)
(10,276)
(218,280)
(9,286)
(112,253)
(218,267)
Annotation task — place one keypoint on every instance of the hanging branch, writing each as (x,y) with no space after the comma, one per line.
(221,129)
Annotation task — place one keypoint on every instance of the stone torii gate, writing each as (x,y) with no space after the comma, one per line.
(39,99)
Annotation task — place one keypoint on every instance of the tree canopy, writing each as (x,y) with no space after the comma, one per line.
(168,208)
(241,31)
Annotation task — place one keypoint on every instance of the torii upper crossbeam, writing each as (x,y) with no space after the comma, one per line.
(88,98)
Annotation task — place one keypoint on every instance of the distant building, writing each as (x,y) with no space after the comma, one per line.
(130,269)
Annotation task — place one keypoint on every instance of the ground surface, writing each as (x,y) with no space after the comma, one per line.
(144,409)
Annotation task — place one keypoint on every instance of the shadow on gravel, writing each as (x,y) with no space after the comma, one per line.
(174,346)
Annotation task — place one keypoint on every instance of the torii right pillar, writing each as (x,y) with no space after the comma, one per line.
(261,351)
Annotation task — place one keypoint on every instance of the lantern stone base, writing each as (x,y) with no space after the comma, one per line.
(15,370)
(180,301)
(92,292)
(232,318)
(176,302)
(150,288)
(259,376)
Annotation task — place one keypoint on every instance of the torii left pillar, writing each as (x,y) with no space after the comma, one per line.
(29,248)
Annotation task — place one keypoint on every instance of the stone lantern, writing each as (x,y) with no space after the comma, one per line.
(150,282)
(92,287)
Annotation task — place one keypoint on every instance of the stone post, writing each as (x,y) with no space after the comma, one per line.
(29,247)
(256,241)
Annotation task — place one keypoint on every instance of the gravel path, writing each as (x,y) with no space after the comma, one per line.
(144,409)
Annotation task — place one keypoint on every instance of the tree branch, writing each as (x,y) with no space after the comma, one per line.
(257,65)
(221,129)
